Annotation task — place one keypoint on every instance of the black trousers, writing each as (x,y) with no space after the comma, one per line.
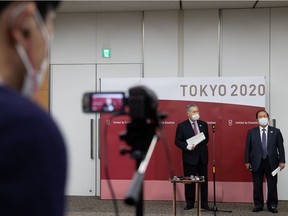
(198,170)
(264,170)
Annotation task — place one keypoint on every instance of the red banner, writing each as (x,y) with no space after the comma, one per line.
(226,145)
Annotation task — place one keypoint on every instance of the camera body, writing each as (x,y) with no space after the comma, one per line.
(141,106)
(142,103)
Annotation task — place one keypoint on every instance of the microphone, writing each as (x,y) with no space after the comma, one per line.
(213,128)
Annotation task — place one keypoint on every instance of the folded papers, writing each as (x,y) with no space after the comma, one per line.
(196,139)
(276,171)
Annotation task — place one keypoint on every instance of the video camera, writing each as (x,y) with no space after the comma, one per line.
(142,103)
(142,108)
(141,131)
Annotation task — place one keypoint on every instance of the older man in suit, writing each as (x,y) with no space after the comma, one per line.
(264,153)
(194,157)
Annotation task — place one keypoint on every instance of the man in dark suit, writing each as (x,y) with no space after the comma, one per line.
(264,153)
(194,157)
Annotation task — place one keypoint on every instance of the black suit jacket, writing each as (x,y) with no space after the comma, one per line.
(275,148)
(32,159)
(183,132)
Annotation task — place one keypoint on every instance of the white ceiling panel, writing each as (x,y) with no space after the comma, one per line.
(110,6)
(273,3)
(149,5)
(188,4)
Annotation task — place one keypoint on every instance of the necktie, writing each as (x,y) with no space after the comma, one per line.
(264,141)
(194,128)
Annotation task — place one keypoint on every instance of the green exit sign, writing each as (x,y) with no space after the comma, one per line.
(106,53)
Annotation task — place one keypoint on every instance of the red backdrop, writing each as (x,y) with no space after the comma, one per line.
(232,123)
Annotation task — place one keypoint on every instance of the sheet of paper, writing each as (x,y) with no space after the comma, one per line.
(277,170)
(196,139)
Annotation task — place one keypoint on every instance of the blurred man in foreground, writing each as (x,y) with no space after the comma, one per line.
(32,150)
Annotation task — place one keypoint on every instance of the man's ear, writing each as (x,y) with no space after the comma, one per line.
(21,22)
(25,30)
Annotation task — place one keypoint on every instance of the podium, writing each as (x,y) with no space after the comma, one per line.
(187,180)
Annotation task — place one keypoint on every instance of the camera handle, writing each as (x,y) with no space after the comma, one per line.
(135,192)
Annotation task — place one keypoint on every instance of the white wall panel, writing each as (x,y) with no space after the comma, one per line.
(201,42)
(75,40)
(278,82)
(68,84)
(160,43)
(245,42)
(122,33)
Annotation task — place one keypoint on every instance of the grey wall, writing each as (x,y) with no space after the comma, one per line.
(238,42)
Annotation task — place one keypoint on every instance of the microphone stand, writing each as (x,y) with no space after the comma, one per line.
(215,209)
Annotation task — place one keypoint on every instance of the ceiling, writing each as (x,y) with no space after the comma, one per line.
(140,5)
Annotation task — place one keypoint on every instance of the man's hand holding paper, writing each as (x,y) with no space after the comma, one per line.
(191,146)
(195,140)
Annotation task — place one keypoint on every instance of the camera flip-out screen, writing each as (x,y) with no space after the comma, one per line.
(105,102)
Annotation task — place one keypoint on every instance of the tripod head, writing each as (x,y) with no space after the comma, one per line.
(138,135)
(142,104)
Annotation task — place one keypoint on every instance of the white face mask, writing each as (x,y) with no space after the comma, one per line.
(263,121)
(195,117)
(33,79)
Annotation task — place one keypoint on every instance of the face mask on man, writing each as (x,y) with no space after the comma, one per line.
(33,78)
(263,121)
(195,117)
